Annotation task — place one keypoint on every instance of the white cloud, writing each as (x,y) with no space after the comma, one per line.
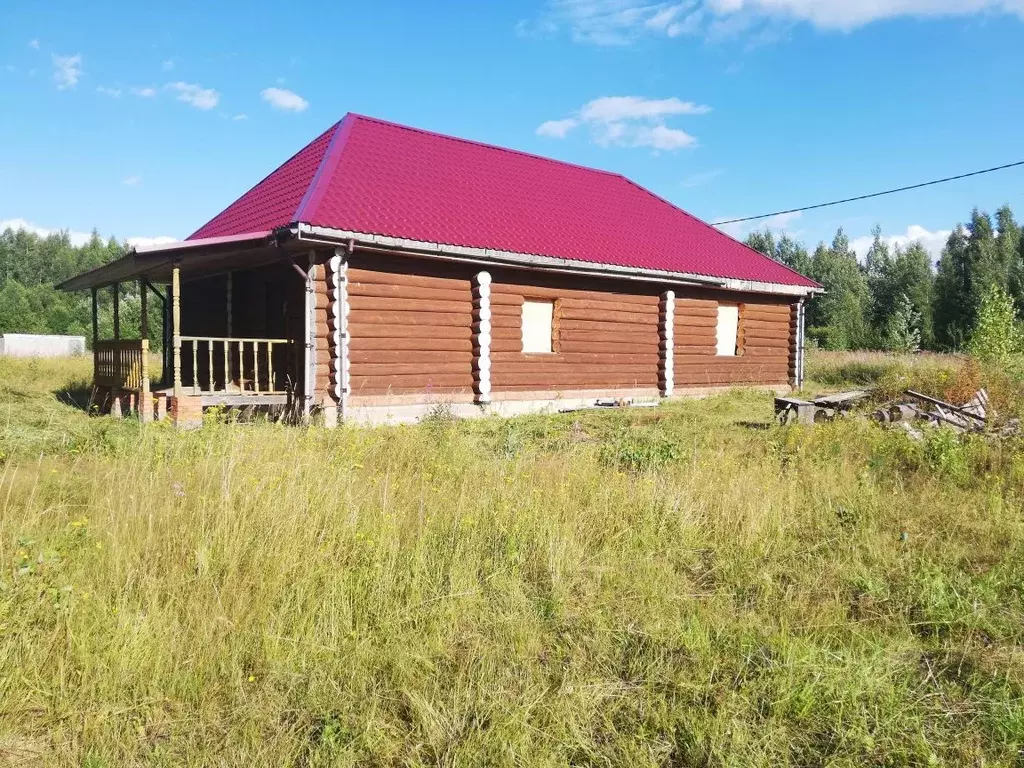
(195,95)
(282,98)
(114,93)
(67,70)
(621,22)
(34,43)
(933,242)
(557,129)
(132,181)
(616,108)
(144,92)
(629,121)
(167,65)
(240,116)
(77,238)
(10,68)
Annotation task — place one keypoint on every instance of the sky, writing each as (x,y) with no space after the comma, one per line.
(144,120)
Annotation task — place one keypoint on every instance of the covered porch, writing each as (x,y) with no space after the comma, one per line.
(233,330)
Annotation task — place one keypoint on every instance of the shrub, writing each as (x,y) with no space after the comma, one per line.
(995,337)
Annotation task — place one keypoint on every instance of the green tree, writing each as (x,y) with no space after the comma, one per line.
(903,327)
(995,336)
(839,318)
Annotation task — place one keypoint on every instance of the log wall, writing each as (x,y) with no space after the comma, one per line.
(765,346)
(411,326)
(605,335)
(411,329)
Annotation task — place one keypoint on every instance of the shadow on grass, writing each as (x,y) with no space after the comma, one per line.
(757,426)
(77,396)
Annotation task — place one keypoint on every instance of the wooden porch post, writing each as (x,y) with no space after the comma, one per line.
(228,305)
(176,328)
(145,398)
(117,311)
(95,348)
(309,361)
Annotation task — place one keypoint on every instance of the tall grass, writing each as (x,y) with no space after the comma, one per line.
(670,587)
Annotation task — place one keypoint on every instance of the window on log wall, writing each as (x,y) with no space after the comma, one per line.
(538,319)
(728,329)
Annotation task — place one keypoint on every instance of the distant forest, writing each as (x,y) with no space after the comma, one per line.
(30,267)
(897,299)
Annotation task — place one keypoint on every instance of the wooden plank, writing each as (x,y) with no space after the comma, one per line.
(558,368)
(411,343)
(359,329)
(686,321)
(380,356)
(400,369)
(393,304)
(560,381)
(392,291)
(646,336)
(568,347)
(585,358)
(609,306)
(417,380)
(625,329)
(544,292)
(357,276)
(608,316)
(448,319)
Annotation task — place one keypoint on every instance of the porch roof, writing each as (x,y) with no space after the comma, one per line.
(205,256)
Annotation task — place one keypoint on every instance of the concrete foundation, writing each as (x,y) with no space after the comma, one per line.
(40,345)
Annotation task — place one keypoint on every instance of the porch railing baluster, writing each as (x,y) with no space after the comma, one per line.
(209,353)
(195,366)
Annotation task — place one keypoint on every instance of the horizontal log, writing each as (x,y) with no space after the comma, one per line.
(592,358)
(379,356)
(542,292)
(780,318)
(756,343)
(367,317)
(400,369)
(457,392)
(686,321)
(624,329)
(607,316)
(392,291)
(710,379)
(506,299)
(321,300)
(609,306)
(684,340)
(506,321)
(762,325)
(392,304)
(779,310)
(553,381)
(568,347)
(499,344)
(356,275)
(557,368)
(644,336)
(389,330)
(416,380)
(683,305)
(416,344)
(695,352)
(507,310)
(695,312)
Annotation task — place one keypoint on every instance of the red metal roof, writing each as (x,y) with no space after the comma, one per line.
(375,177)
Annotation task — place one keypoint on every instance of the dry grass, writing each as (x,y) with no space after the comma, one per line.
(670,587)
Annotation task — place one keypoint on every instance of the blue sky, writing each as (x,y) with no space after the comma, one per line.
(146,119)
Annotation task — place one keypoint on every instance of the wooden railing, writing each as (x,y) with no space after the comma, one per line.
(233,365)
(120,365)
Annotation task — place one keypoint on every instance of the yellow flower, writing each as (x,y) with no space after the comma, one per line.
(252,678)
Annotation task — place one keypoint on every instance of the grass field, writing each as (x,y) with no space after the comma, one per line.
(681,586)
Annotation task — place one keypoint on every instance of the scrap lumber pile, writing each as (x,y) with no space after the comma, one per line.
(913,408)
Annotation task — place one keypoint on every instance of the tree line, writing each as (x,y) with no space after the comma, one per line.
(897,299)
(30,268)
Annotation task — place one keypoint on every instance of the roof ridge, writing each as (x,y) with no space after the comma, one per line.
(238,199)
(483,144)
(315,192)
(706,225)
(615,174)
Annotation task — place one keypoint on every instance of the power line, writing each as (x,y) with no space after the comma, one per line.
(873,194)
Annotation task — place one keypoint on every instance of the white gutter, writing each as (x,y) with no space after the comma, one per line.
(471,255)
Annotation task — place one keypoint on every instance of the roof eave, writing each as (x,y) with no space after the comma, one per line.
(304,231)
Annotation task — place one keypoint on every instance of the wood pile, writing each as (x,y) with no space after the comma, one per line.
(914,408)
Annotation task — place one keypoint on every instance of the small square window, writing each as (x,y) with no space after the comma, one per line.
(728,329)
(537,322)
